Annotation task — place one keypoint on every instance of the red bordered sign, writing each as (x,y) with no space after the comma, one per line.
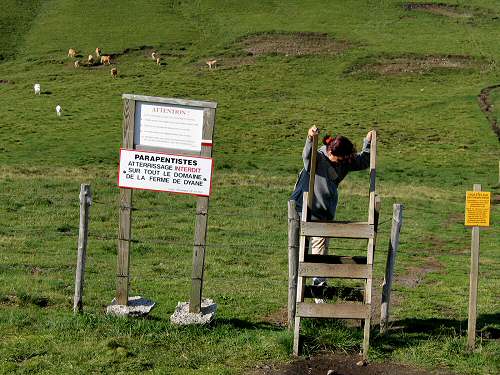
(158,171)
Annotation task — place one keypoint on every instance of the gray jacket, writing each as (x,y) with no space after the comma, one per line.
(328,177)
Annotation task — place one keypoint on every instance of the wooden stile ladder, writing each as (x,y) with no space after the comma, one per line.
(332,266)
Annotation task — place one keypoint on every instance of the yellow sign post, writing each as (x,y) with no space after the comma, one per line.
(477,209)
(477,214)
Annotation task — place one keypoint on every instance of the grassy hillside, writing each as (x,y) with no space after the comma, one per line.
(412,74)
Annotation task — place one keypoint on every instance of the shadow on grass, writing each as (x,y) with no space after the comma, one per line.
(408,332)
(245,324)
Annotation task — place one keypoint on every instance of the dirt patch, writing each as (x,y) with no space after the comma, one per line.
(441,9)
(495,199)
(293,44)
(415,275)
(339,364)
(453,11)
(5,82)
(278,318)
(487,108)
(416,64)
(452,220)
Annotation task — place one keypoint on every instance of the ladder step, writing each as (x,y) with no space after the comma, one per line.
(334,259)
(337,229)
(327,310)
(345,271)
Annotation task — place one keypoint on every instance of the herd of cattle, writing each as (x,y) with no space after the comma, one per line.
(104,59)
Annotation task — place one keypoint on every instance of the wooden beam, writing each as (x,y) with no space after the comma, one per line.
(337,230)
(339,310)
(397,222)
(293,259)
(334,259)
(125,214)
(200,233)
(85,202)
(473,283)
(345,271)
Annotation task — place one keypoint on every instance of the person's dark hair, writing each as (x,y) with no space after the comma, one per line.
(341,147)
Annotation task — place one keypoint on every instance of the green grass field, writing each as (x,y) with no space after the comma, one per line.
(411,74)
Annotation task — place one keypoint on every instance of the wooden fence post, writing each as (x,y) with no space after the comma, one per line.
(474,276)
(125,215)
(397,221)
(85,202)
(293,260)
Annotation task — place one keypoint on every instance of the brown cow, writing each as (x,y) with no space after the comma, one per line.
(71,52)
(114,72)
(98,52)
(106,60)
(90,59)
(212,64)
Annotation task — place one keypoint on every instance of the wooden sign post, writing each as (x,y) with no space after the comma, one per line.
(167,146)
(477,214)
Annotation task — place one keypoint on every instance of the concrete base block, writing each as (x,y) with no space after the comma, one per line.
(137,306)
(182,316)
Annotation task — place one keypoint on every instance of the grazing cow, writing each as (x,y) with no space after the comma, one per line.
(71,52)
(58,110)
(114,72)
(90,59)
(77,63)
(212,64)
(106,60)
(154,55)
(98,52)
(158,60)
(36,87)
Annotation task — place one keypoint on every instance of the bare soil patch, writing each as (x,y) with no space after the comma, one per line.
(416,64)
(293,44)
(339,364)
(5,82)
(415,275)
(278,318)
(486,106)
(441,9)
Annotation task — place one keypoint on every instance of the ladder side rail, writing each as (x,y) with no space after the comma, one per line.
(300,280)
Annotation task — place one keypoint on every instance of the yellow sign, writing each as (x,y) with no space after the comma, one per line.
(477,209)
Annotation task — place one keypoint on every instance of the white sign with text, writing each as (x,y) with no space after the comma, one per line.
(168,126)
(165,172)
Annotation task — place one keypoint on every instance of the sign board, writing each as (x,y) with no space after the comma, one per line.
(165,172)
(168,126)
(477,209)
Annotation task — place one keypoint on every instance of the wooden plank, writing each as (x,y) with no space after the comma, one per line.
(337,230)
(125,213)
(300,280)
(397,222)
(339,310)
(293,259)
(173,101)
(346,271)
(373,215)
(200,233)
(334,259)
(85,202)
(473,283)
(312,171)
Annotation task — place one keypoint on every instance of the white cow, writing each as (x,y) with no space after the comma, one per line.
(58,110)
(36,87)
